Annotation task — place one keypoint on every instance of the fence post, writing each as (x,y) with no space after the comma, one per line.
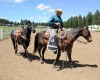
(1,33)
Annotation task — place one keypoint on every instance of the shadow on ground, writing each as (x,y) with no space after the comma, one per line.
(30,56)
(67,64)
(60,64)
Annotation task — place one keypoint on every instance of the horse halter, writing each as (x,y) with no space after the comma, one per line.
(85,32)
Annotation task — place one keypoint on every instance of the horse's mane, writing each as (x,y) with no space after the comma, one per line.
(26,32)
(74,31)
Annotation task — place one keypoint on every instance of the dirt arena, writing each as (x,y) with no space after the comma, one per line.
(86,59)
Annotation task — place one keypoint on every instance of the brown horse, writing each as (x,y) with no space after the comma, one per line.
(64,44)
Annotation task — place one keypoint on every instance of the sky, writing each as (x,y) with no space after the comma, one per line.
(42,10)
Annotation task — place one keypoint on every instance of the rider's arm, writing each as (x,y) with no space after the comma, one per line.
(52,22)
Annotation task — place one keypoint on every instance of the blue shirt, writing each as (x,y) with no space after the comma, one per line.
(55,19)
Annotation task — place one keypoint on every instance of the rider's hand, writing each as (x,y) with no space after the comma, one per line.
(58,24)
(59,30)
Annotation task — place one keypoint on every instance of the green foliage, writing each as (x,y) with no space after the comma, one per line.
(97,17)
(5,22)
(77,21)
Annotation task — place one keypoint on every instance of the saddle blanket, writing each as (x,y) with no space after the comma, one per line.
(17,32)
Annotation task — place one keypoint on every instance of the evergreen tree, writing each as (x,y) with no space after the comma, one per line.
(97,17)
(89,19)
(79,20)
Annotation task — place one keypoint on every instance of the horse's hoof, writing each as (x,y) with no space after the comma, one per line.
(56,67)
(24,56)
(42,62)
(55,52)
(18,54)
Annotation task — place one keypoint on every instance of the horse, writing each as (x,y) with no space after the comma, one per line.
(65,44)
(23,39)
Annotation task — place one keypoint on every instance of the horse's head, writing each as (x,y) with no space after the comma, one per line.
(86,34)
(31,27)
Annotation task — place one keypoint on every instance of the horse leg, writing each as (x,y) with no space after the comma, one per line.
(13,44)
(14,41)
(43,51)
(39,51)
(16,47)
(69,52)
(26,52)
(57,58)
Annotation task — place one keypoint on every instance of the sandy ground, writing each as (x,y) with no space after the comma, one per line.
(86,59)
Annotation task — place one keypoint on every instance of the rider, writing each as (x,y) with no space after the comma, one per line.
(56,23)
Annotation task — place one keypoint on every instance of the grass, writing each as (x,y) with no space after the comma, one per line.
(38,29)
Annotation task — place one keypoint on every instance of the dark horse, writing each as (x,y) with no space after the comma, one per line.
(24,39)
(64,44)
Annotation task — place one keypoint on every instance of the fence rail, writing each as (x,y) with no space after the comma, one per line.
(5,32)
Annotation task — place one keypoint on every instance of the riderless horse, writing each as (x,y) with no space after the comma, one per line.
(22,37)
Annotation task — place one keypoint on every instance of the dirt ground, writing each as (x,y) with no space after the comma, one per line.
(86,59)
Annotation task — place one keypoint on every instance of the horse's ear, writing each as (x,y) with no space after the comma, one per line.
(85,27)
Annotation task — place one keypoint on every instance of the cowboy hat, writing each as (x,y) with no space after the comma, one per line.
(58,10)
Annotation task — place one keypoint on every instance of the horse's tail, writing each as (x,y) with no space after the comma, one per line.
(12,35)
(35,43)
(12,38)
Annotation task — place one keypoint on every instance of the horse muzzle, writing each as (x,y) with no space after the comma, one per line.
(33,31)
(90,39)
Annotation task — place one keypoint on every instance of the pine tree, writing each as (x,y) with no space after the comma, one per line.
(97,17)
(89,19)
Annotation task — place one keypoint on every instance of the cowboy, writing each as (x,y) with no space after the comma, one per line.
(55,23)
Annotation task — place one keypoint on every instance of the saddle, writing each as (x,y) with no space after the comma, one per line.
(61,33)
(17,32)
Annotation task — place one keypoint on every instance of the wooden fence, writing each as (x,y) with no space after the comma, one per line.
(5,32)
